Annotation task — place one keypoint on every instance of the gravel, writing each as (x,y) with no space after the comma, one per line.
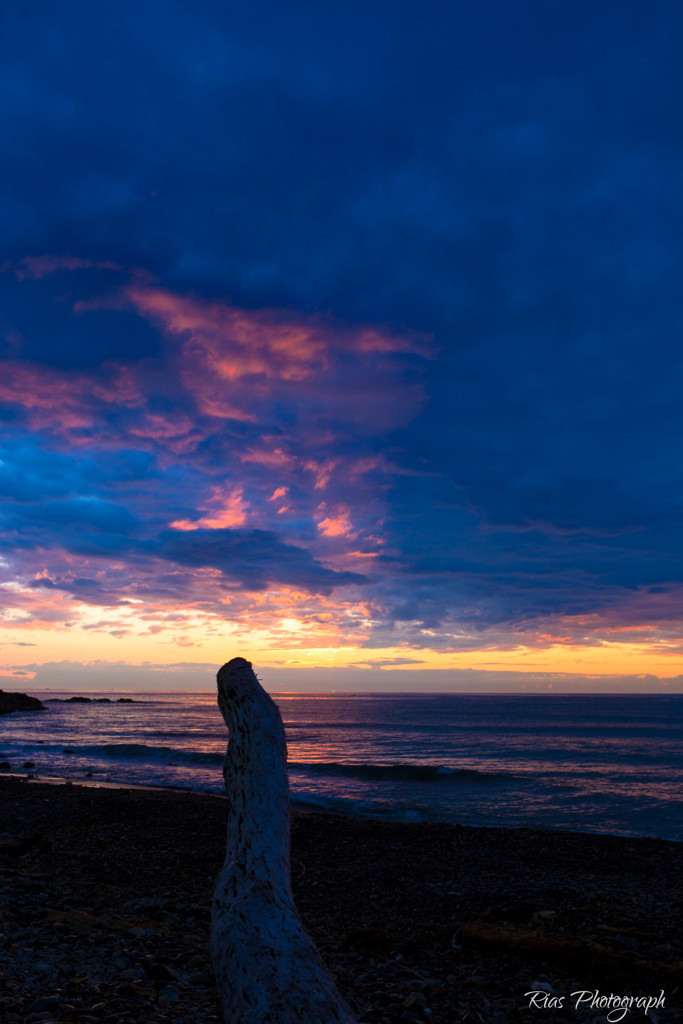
(105,898)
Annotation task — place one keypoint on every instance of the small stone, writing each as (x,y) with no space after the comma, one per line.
(137,933)
(5,766)
(130,974)
(44,1003)
(416,998)
(130,991)
(170,994)
(160,972)
(543,915)
(29,764)
(202,978)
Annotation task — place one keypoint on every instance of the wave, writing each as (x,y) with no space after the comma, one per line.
(397,772)
(143,752)
(356,808)
(400,772)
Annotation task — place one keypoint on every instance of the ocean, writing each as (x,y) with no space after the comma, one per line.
(590,763)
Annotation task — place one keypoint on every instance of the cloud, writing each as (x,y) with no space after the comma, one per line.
(35,267)
(334,523)
(224,510)
(399,310)
(253,558)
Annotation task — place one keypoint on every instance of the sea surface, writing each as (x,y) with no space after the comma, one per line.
(590,763)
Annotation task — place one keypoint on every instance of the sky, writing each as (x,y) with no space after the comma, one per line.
(343,337)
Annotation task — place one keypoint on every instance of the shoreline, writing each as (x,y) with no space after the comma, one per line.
(107,895)
(311,807)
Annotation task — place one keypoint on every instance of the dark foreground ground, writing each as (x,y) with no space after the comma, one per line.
(105,913)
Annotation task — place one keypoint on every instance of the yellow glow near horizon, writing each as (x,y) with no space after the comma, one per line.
(215,643)
(278,629)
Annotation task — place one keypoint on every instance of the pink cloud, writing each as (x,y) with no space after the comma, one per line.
(371,340)
(230,342)
(323,471)
(68,401)
(269,457)
(177,433)
(221,347)
(35,267)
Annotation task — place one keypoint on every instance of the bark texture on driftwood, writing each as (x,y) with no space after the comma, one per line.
(268,970)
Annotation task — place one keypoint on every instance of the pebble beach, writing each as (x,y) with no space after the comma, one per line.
(105,898)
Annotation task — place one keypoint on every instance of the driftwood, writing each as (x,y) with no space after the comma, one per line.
(268,970)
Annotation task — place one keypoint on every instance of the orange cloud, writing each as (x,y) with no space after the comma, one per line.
(225,511)
(279,492)
(335,525)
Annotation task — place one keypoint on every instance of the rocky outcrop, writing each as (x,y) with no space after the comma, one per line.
(10,702)
(90,700)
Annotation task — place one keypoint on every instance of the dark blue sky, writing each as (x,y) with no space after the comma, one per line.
(363,318)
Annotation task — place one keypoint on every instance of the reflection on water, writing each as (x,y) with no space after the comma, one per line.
(599,762)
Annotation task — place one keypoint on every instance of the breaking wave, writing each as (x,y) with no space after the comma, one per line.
(401,772)
(143,752)
(397,772)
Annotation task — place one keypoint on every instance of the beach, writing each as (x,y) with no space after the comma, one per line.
(106,897)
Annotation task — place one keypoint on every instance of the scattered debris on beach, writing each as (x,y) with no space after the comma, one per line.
(106,911)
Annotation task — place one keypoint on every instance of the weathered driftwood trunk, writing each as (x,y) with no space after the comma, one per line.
(268,970)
